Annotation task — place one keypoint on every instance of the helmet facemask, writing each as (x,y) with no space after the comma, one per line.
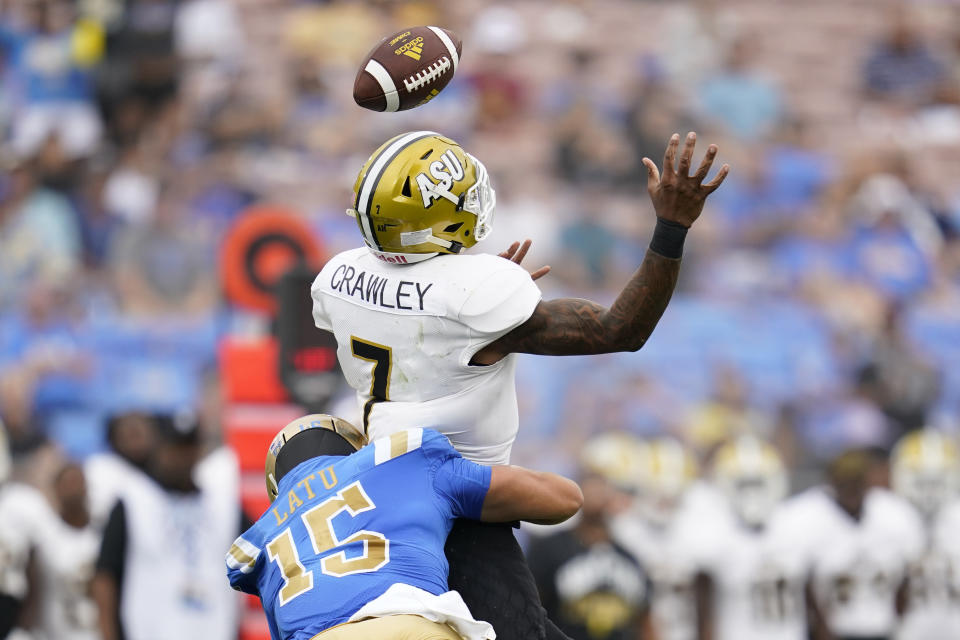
(754,497)
(481,200)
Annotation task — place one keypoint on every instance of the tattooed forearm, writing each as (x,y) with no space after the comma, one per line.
(570,326)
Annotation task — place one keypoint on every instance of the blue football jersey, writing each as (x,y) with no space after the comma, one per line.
(343,529)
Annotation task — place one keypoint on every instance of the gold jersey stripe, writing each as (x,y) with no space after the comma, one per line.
(397,444)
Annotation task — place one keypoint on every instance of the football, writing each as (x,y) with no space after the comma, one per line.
(407,69)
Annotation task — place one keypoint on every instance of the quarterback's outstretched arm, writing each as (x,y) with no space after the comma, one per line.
(571,326)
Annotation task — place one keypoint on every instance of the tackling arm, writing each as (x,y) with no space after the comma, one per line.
(516,493)
(571,326)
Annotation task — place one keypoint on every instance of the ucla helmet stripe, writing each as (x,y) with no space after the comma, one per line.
(369,185)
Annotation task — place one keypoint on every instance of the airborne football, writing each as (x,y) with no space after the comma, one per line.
(407,69)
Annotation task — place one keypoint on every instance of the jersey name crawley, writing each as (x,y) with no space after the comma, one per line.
(385,293)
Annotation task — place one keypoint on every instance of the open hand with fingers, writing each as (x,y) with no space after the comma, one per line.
(517,252)
(677,196)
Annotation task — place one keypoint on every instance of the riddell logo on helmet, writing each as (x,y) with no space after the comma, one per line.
(391,259)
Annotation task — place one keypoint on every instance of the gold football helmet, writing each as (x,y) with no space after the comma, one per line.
(421,194)
(751,474)
(350,433)
(925,469)
(665,471)
(614,456)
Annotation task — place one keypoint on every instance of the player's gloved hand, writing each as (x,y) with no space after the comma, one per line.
(677,196)
(517,252)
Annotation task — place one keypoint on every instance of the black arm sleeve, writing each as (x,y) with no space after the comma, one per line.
(9,611)
(113,549)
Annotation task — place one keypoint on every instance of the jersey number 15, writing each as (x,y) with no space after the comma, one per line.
(297,579)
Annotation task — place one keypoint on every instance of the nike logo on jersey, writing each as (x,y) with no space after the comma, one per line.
(380,291)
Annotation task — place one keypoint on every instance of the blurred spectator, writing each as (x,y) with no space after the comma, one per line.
(131,437)
(208,31)
(97,224)
(49,54)
(500,94)
(859,542)
(39,238)
(774,187)
(162,267)
(897,194)
(141,51)
(590,150)
(160,565)
(901,68)
(25,515)
(706,27)
(131,190)
(65,555)
(589,585)
(897,379)
(45,368)
(591,240)
(738,99)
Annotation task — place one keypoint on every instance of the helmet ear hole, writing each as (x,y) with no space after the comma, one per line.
(453,227)
(406,188)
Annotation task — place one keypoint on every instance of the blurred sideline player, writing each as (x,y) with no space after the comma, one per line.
(65,555)
(131,437)
(926,471)
(427,337)
(753,573)
(24,515)
(591,586)
(662,529)
(160,563)
(352,546)
(859,541)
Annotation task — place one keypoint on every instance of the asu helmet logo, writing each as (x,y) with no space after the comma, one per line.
(445,171)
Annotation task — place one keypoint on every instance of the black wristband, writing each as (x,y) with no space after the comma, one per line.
(668,239)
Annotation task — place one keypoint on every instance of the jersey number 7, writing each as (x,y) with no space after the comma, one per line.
(297,579)
(382,359)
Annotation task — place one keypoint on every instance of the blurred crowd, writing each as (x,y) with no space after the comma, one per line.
(819,302)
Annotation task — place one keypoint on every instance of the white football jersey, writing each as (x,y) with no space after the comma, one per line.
(857,565)
(759,578)
(405,337)
(933,589)
(24,514)
(669,556)
(173,583)
(66,557)
(107,474)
